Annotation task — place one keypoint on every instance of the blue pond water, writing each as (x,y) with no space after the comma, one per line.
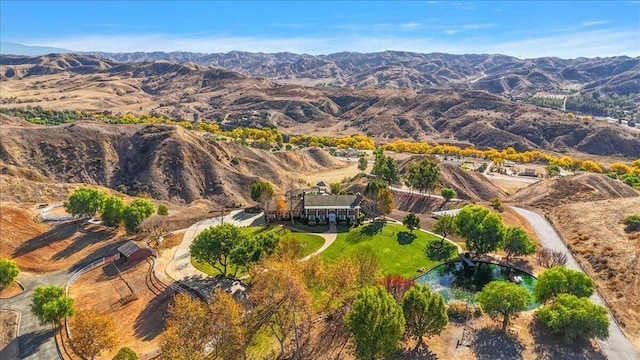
(454,281)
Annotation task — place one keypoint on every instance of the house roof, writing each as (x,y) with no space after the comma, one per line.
(321,183)
(128,248)
(314,201)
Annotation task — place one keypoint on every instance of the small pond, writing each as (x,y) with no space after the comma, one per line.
(456,281)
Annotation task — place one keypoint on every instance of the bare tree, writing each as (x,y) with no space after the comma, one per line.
(551,258)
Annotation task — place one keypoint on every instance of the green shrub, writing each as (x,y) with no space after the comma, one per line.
(496,203)
(633,223)
(126,353)
(163,210)
(440,251)
(235,161)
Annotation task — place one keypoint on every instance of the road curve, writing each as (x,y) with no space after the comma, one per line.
(617,346)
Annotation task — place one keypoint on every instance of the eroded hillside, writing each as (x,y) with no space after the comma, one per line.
(165,161)
(200,93)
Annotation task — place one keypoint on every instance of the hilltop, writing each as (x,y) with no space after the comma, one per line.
(165,161)
(498,74)
(202,93)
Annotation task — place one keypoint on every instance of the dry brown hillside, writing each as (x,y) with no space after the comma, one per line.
(168,162)
(596,235)
(196,92)
(549,194)
(468,185)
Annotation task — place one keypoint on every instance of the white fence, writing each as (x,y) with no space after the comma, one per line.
(47,217)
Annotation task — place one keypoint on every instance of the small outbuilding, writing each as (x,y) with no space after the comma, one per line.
(133,252)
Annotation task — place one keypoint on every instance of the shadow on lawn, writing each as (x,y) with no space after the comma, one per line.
(405,238)
(373,228)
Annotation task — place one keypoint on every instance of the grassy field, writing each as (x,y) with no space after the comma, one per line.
(398,251)
(308,243)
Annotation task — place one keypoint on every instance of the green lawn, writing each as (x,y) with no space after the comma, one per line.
(397,251)
(308,243)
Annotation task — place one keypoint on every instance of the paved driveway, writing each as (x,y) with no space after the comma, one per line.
(35,342)
(617,346)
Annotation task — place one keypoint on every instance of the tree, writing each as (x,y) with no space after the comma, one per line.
(85,201)
(501,299)
(362,163)
(112,211)
(368,271)
(553,169)
(385,200)
(575,317)
(561,280)
(187,332)
(592,166)
(397,285)
(482,231)
(282,302)
(424,312)
(335,188)
(251,249)
(49,304)
(445,226)
(125,353)
(228,331)
(135,213)
(385,168)
(376,323)
(280,206)
(373,205)
(163,210)
(448,194)
(8,272)
(423,175)
(551,258)
(261,192)
(215,244)
(93,333)
(517,242)
(411,221)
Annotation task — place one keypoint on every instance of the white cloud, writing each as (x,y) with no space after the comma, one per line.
(411,25)
(594,23)
(478,26)
(469,27)
(588,43)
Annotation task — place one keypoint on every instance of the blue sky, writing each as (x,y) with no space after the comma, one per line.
(519,28)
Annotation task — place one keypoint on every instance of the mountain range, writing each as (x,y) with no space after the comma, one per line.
(185,90)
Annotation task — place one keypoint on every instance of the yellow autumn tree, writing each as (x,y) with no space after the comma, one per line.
(93,333)
(620,168)
(187,331)
(591,166)
(228,331)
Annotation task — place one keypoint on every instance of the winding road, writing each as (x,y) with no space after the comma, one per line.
(35,341)
(617,346)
